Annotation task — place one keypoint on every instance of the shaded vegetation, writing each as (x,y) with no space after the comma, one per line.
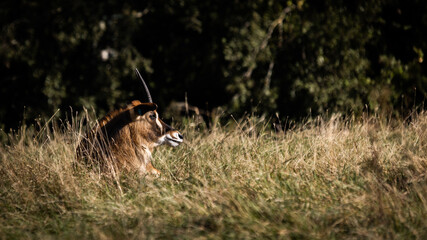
(291,57)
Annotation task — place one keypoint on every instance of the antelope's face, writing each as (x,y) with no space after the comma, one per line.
(153,129)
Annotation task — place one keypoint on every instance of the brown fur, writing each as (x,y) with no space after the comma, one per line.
(125,138)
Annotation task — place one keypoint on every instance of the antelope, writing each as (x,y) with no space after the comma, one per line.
(126,137)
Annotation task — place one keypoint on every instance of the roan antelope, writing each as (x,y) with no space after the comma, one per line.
(125,138)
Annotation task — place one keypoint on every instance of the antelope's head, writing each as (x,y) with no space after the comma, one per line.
(147,122)
(146,117)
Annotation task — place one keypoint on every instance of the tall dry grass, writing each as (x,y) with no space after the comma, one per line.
(337,178)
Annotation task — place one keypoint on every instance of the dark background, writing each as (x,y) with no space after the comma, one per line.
(291,57)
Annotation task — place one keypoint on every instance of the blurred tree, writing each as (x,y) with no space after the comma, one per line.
(293,57)
(59,54)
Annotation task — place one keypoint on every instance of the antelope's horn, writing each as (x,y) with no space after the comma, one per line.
(145,85)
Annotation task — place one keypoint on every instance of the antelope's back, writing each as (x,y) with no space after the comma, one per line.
(95,146)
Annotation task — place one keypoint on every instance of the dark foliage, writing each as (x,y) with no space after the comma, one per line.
(291,57)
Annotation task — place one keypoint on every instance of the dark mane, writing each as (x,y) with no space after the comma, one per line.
(113,114)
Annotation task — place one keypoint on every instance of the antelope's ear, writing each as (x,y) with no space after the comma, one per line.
(154,106)
(151,106)
(144,108)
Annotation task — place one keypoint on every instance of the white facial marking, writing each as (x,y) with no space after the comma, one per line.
(161,140)
(173,138)
(158,122)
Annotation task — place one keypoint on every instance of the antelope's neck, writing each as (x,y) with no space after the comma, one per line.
(147,152)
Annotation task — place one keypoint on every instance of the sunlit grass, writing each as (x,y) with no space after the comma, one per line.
(336,178)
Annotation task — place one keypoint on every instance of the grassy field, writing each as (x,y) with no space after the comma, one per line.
(341,178)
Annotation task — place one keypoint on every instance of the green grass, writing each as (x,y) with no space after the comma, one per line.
(323,179)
